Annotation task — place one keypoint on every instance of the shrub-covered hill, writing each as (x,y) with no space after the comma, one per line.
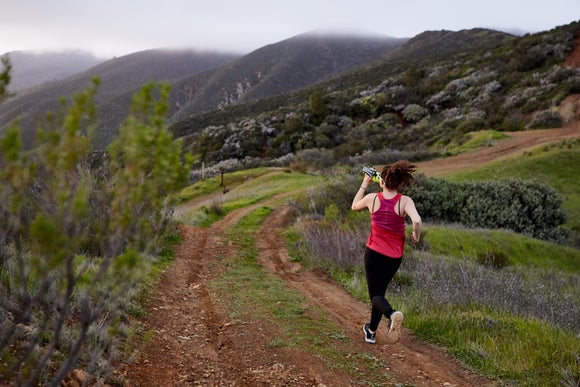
(202,81)
(429,92)
(277,69)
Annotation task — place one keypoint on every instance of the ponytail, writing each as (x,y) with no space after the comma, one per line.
(398,174)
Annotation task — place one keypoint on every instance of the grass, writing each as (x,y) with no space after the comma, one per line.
(502,346)
(460,242)
(251,187)
(214,184)
(475,140)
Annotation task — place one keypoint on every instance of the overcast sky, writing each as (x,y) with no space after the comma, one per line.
(118,27)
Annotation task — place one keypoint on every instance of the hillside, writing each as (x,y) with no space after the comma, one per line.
(418,94)
(277,69)
(120,78)
(426,94)
(201,80)
(32,69)
(434,45)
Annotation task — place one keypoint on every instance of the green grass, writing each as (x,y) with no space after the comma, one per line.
(474,140)
(554,164)
(522,251)
(251,187)
(213,184)
(515,350)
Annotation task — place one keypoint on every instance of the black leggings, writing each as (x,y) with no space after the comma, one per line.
(379,270)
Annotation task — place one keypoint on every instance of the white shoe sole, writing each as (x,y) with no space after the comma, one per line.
(395,327)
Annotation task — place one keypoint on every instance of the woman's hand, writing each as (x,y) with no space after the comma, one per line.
(414,237)
(366,181)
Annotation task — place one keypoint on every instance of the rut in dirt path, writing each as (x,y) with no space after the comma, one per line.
(183,320)
(193,340)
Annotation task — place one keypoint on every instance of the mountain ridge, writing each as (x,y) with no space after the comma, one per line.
(305,59)
(209,87)
(34,68)
(429,92)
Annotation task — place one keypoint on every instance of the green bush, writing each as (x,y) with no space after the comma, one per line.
(80,231)
(414,113)
(525,207)
(529,208)
(437,200)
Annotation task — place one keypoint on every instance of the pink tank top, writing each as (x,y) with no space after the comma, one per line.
(387,228)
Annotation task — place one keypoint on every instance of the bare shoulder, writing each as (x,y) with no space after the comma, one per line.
(407,201)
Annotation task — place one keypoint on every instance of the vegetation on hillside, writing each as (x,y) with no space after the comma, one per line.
(201,81)
(414,99)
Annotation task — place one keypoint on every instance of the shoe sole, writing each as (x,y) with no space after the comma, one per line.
(367,340)
(395,328)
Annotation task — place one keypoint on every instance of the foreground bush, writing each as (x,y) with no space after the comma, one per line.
(80,230)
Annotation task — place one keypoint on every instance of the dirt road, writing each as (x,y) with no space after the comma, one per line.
(516,144)
(193,342)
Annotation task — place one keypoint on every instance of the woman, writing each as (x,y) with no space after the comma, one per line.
(384,248)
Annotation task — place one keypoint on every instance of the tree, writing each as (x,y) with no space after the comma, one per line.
(412,76)
(80,231)
(4,77)
(318,110)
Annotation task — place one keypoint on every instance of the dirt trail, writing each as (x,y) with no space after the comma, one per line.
(191,340)
(411,361)
(516,144)
(193,343)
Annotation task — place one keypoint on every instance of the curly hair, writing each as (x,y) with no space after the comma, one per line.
(398,174)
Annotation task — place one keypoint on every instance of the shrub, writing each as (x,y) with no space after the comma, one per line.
(529,208)
(546,119)
(437,200)
(316,158)
(80,230)
(414,113)
(493,259)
